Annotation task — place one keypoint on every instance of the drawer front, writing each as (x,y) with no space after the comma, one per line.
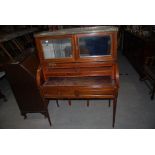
(57,92)
(71,92)
(80,72)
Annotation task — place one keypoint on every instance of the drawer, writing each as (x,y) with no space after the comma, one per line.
(57,92)
(95,92)
(74,92)
(73,72)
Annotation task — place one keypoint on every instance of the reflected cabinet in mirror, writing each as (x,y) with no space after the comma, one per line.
(57,48)
(94,46)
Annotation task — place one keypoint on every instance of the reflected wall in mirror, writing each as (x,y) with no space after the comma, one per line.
(95,45)
(57,48)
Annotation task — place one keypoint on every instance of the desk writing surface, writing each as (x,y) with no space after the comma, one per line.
(80,81)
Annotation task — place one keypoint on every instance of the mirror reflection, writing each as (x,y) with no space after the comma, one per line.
(94,46)
(57,48)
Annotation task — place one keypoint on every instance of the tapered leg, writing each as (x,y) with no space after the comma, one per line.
(49,119)
(152,95)
(2,96)
(57,103)
(69,102)
(24,114)
(87,103)
(46,114)
(114,111)
(109,102)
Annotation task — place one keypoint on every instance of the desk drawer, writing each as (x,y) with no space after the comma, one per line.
(71,92)
(95,92)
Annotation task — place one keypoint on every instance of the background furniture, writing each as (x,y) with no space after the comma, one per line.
(2,74)
(79,63)
(14,43)
(139,48)
(149,74)
(22,78)
(136,48)
(18,59)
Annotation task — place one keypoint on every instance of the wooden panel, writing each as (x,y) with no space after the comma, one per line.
(73,72)
(77,92)
(49,64)
(22,80)
(78,87)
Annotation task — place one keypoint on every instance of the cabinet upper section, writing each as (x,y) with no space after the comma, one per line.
(78,44)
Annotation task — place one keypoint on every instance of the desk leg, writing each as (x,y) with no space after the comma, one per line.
(114,111)
(57,103)
(109,102)
(2,96)
(24,114)
(45,113)
(87,103)
(69,102)
(152,95)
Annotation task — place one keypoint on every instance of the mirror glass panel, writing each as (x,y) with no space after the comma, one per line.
(95,46)
(57,48)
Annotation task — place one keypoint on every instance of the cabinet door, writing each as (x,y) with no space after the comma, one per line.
(95,47)
(57,49)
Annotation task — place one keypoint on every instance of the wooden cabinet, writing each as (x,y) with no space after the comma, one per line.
(137,49)
(18,59)
(22,78)
(79,63)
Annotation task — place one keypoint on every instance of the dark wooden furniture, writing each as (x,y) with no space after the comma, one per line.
(79,63)
(2,74)
(136,48)
(149,74)
(2,96)
(14,43)
(22,78)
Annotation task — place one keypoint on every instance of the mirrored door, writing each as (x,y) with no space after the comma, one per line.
(91,46)
(57,48)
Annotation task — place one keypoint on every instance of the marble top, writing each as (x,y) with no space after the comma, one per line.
(78,31)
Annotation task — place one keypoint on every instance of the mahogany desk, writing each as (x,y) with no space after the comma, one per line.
(79,63)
